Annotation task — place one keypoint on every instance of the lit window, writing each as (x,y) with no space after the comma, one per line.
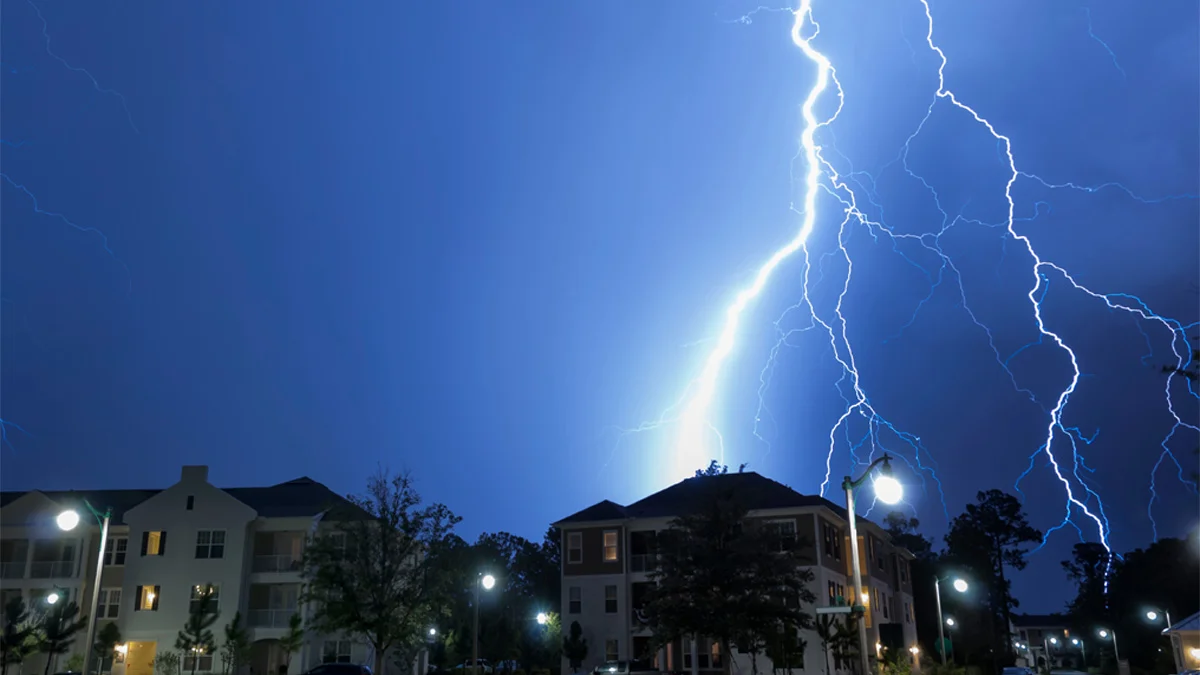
(115,549)
(210,544)
(610,546)
(147,598)
(154,543)
(574,547)
(213,593)
(336,651)
(108,603)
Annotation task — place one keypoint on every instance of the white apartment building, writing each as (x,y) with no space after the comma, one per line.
(162,546)
(608,554)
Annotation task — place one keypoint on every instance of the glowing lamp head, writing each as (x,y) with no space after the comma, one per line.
(889,490)
(960,585)
(52,598)
(914,650)
(432,632)
(488,581)
(542,618)
(67,520)
(865,598)
(1053,641)
(1152,615)
(1194,652)
(1103,633)
(950,621)
(1075,641)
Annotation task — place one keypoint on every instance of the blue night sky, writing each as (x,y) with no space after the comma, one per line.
(482,241)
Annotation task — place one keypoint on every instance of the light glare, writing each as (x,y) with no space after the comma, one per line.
(67,520)
(960,585)
(889,490)
(488,581)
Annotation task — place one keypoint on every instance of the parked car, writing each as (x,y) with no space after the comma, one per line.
(340,669)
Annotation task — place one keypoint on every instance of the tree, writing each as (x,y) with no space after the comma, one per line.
(724,578)
(236,650)
(292,641)
(379,575)
(19,629)
(167,663)
(903,531)
(196,638)
(575,647)
(57,630)
(107,639)
(991,535)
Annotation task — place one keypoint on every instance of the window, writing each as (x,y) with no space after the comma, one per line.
(879,556)
(784,533)
(154,543)
(833,541)
(705,650)
(108,603)
(204,662)
(336,651)
(610,600)
(574,547)
(213,592)
(832,594)
(904,571)
(714,650)
(908,612)
(610,546)
(210,544)
(574,600)
(191,502)
(115,549)
(146,598)
(610,650)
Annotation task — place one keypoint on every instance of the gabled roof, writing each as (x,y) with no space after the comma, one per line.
(755,491)
(299,498)
(1190,623)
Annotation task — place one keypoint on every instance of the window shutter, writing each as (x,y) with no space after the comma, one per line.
(137,599)
(162,543)
(145,543)
(157,595)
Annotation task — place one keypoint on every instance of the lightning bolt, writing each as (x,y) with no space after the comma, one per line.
(1062,447)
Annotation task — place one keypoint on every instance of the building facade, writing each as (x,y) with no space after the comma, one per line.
(163,548)
(608,555)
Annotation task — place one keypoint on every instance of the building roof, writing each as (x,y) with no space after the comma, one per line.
(1039,620)
(302,497)
(755,491)
(1189,624)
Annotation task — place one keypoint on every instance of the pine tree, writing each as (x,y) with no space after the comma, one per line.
(196,638)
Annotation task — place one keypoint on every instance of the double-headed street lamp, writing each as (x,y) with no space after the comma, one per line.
(889,491)
(67,521)
(958,585)
(486,582)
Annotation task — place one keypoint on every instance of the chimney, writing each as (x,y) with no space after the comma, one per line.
(194,474)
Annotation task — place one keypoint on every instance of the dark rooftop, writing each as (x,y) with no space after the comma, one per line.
(755,491)
(302,497)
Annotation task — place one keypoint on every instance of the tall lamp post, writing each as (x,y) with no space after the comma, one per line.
(485,581)
(1116,652)
(1082,650)
(1152,615)
(67,520)
(889,491)
(958,585)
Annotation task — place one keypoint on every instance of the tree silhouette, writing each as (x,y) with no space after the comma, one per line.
(575,646)
(196,639)
(57,630)
(19,630)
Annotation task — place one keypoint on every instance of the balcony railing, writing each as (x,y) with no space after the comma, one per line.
(12,570)
(271,618)
(51,570)
(643,562)
(277,563)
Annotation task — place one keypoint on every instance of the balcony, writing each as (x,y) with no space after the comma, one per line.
(271,618)
(643,562)
(284,562)
(12,570)
(61,569)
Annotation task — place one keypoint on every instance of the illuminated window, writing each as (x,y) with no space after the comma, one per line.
(213,593)
(154,543)
(146,598)
(610,546)
(574,547)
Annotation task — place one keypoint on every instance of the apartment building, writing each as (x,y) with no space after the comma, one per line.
(609,551)
(163,547)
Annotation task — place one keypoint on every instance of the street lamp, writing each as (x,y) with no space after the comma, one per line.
(486,582)
(1105,633)
(52,598)
(432,632)
(542,618)
(959,585)
(67,521)
(950,621)
(889,491)
(1152,615)
(1082,650)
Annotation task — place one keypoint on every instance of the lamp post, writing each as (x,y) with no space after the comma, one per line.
(485,581)
(1116,652)
(958,585)
(1082,650)
(889,491)
(1152,615)
(67,520)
